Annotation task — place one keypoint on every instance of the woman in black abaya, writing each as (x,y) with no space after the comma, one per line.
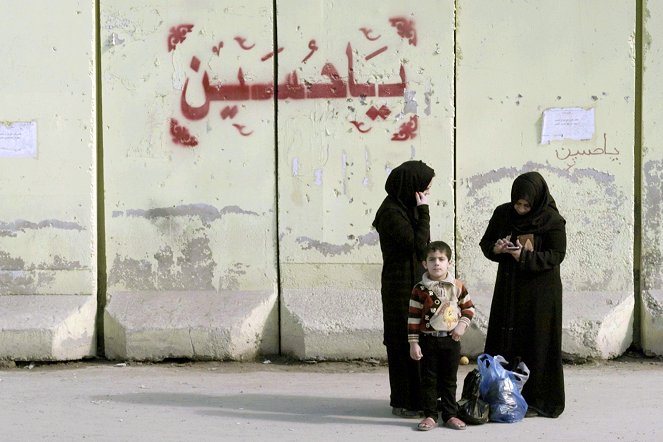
(527,237)
(403,223)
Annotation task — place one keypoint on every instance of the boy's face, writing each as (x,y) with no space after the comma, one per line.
(437,265)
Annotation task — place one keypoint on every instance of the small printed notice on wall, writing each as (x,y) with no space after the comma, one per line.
(567,123)
(18,139)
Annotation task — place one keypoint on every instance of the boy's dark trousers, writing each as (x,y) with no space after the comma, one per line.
(439,370)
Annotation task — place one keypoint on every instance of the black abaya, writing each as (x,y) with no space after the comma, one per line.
(404,230)
(526,310)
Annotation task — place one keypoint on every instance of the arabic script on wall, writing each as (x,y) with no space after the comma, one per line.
(340,84)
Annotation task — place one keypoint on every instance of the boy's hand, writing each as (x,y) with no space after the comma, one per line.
(458,331)
(415,351)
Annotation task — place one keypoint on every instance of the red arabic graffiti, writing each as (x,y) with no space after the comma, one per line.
(358,125)
(177,35)
(195,64)
(367,31)
(240,128)
(336,87)
(405,29)
(375,53)
(313,47)
(181,134)
(217,49)
(374,112)
(270,55)
(242,43)
(407,130)
(229,112)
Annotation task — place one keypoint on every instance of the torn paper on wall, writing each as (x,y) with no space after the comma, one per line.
(18,139)
(568,123)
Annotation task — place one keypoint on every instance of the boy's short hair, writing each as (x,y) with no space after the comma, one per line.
(437,246)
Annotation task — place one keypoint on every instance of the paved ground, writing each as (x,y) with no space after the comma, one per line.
(99,401)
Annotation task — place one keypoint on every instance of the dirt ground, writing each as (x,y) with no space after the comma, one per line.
(634,359)
(277,399)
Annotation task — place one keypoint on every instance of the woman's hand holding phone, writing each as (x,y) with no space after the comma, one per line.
(504,245)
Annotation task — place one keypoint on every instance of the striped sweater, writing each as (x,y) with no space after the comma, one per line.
(438,305)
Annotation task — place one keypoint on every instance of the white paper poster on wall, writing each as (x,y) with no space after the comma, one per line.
(18,139)
(567,123)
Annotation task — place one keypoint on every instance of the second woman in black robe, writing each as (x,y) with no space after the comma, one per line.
(527,237)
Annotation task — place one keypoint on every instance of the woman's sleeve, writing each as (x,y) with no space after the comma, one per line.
(422,231)
(489,238)
(411,238)
(553,250)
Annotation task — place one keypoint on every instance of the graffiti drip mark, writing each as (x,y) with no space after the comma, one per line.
(312,45)
(374,112)
(181,134)
(373,54)
(229,112)
(217,49)
(242,43)
(240,129)
(405,29)
(177,35)
(270,55)
(358,125)
(367,31)
(407,130)
(195,63)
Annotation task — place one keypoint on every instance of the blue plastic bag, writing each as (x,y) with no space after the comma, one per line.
(501,388)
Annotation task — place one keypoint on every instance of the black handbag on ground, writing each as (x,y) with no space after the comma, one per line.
(471,408)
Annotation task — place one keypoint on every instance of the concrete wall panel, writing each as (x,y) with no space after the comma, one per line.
(48,223)
(515,61)
(222,120)
(365,87)
(652,176)
(189,161)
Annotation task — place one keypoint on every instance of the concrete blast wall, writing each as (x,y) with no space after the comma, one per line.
(48,221)
(245,150)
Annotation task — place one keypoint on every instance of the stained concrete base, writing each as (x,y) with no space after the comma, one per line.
(204,325)
(47,327)
(652,323)
(331,323)
(597,325)
(335,324)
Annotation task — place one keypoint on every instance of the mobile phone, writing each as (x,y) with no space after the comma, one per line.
(512,247)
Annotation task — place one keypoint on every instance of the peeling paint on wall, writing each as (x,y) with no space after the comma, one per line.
(587,198)
(17,278)
(192,269)
(205,212)
(328,249)
(652,226)
(12,228)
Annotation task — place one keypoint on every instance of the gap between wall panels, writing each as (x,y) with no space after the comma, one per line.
(101,212)
(276,171)
(455,162)
(637,175)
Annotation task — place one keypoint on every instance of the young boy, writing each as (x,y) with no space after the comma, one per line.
(440,312)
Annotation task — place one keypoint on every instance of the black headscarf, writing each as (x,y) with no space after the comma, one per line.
(404,181)
(532,188)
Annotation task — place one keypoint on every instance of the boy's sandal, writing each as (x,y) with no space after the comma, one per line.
(426,424)
(455,424)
